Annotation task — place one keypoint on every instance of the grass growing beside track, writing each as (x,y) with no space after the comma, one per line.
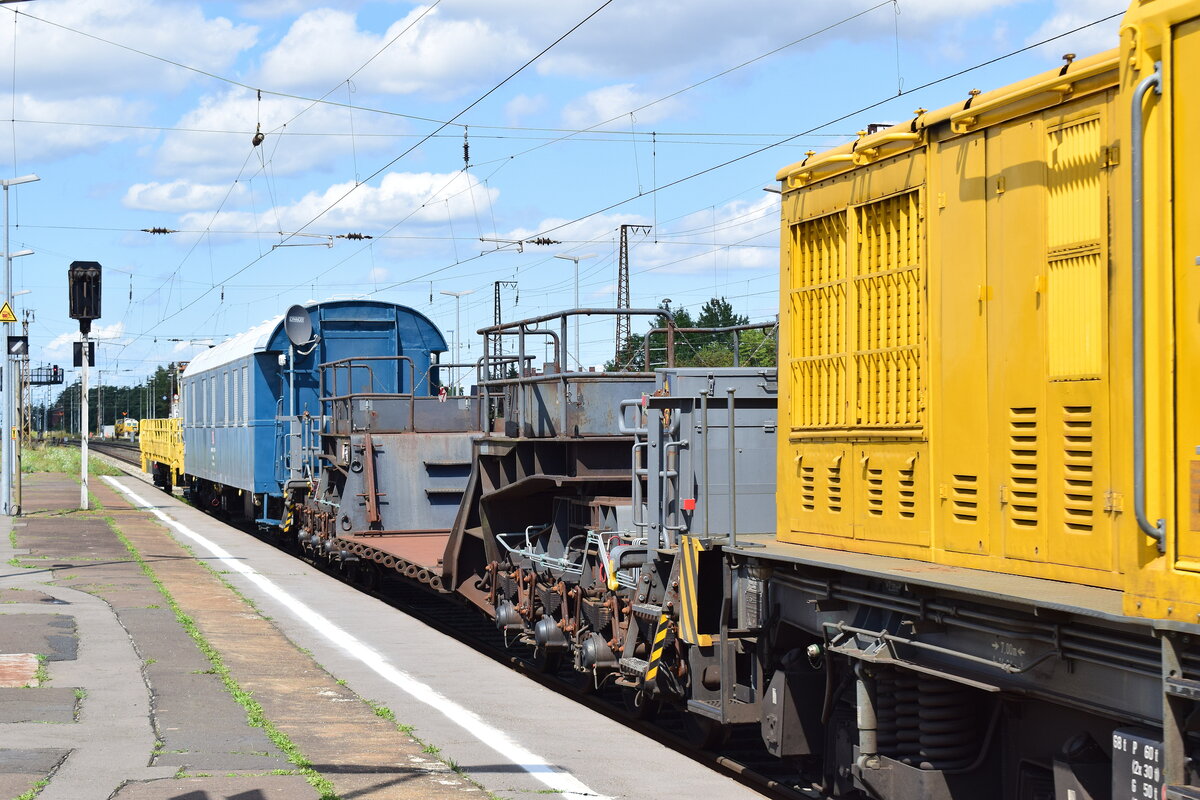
(61,459)
(254,712)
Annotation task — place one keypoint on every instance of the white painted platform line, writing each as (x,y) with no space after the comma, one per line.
(563,782)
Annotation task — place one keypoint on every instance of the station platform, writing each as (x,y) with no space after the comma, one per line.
(130,670)
(151,652)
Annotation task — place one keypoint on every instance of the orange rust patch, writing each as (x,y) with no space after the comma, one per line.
(17,670)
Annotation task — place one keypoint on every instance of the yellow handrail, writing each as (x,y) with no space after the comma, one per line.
(1062,85)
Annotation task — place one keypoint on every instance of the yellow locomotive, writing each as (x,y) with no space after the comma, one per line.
(961,353)
(989,402)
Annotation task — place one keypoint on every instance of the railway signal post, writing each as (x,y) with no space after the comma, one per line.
(83,282)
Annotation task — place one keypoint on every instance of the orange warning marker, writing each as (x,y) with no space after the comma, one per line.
(6,314)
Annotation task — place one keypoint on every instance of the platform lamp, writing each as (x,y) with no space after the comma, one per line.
(6,387)
(83,284)
(458,296)
(575,335)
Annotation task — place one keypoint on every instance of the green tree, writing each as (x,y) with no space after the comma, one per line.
(758,348)
(718,313)
(755,348)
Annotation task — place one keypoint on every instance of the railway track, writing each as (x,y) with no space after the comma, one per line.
(125,452)
(742,756)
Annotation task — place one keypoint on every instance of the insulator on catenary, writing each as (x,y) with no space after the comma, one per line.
(542,240)
(354,236)
(158,230)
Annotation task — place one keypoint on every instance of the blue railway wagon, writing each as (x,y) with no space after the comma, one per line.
(252,415)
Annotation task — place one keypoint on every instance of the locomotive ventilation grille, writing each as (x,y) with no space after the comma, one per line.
(813,490)
(964,494)
(1078,460)
(1023,467)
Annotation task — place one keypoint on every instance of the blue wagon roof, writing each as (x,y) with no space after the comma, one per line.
(259,338)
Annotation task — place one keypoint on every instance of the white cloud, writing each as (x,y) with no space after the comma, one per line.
(523,106)
(179,195)
(606,291)
(63,342)
(439,55)
(377,274)
(192,345)
(299,136)
(58,131)
(1071,14)
(678,249)
(941,10)
(421,198)
(82,65)
(655,35)
(269,9)
(601,105)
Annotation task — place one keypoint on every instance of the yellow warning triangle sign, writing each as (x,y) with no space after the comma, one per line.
(6,314)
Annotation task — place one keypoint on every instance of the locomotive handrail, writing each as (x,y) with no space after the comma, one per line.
(632,403)
(587,312)
(666,474)
(356,361)
(1158,530)
(637,474)
(522,326)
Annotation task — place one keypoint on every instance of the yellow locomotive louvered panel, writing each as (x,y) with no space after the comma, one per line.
(1073,174)
(1081,530)
(889,302)
(818,305)
(1024,535)
(855,350)
(1075,318)
(821,496)
(1075,243)
(893,493)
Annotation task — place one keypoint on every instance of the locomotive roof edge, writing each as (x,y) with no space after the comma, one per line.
(258,338)
(1088,68)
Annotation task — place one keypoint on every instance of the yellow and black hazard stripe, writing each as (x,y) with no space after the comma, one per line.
(690,549)
(656,649)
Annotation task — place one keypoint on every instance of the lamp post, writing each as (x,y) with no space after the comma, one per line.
(575,333)
(458,296)
(18,418)
(7,393)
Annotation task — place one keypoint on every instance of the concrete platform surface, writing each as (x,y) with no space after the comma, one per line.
(185,660)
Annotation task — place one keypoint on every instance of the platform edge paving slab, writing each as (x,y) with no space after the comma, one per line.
(358,751)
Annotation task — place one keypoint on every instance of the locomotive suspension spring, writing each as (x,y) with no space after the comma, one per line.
(949,737)
(926,722)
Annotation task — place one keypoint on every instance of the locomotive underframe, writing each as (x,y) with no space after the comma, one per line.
(919,688)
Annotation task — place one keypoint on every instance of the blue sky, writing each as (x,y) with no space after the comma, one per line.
(141,114)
